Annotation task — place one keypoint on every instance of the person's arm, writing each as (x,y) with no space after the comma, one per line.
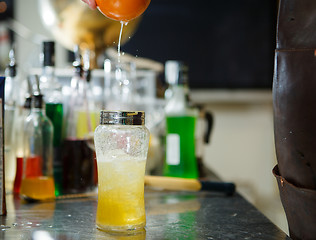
(91,3)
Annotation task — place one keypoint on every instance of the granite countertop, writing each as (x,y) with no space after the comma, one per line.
(170,215)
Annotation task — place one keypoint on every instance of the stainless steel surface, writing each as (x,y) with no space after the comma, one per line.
(170,215)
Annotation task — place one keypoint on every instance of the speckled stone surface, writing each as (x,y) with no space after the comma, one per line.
(170,215)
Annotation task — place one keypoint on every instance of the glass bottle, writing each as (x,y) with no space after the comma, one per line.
(78,154)
(52,91)
(87,117)
(11,98)
(180,160)
(37,180)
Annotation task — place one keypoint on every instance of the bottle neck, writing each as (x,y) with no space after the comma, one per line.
(48,74)
(37,103)
(50,87)
(11,71)
(38,111)
(48,54)
(48,60)
(10,91)
(77,75)
(178,101)
(180,93)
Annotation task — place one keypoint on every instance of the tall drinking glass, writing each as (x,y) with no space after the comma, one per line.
(121,143)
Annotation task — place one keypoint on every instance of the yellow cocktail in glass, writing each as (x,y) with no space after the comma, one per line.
(121,195)
(121,144)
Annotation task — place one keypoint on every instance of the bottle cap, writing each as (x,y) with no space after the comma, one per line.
(12,71)
(27,103)
(176,72)
(122,118)
(49,53)
(77,63)
(12,65)
(37,101)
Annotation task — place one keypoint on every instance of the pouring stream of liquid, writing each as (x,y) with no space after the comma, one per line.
(119,42)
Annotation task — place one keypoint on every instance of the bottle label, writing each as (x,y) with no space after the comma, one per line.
(173,149)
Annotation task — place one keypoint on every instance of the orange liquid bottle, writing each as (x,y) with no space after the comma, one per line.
(35,185)
(37,180)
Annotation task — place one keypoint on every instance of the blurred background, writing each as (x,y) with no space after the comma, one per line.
(228,47)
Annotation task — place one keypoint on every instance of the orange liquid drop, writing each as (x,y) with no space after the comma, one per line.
(122,10)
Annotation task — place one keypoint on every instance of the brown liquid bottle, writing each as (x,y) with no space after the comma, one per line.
(77,157)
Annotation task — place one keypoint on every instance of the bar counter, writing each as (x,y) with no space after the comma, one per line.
(170,215)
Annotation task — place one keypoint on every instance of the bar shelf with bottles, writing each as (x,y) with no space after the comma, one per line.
(73,109)
(49,132)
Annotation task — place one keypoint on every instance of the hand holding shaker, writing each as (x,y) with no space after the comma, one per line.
(121,143)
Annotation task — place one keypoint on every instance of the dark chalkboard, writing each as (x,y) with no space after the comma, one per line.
(226,43)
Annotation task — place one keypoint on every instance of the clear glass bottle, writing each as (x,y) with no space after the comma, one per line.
(78,155)
(52,91)
(180,160)
(38,180)
(11,99)
(121,142)
(87,117)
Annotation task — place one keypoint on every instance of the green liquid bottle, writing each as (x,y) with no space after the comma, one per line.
(54,112)
(180,147)
(180,159)
(51,89)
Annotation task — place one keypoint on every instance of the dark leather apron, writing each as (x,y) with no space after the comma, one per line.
(294,105)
